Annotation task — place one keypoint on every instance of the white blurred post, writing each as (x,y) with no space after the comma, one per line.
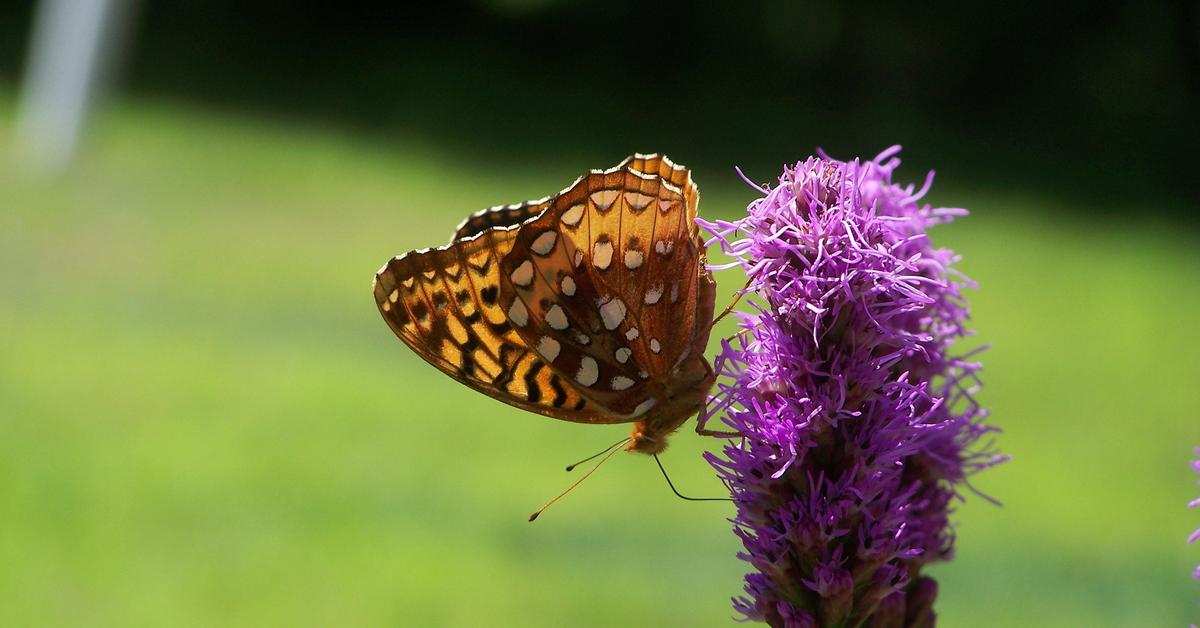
(67,52)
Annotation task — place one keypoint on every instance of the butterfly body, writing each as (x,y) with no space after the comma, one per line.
(692,383)
(593,305)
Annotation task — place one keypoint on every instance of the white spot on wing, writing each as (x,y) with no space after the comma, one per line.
(644,406)
(633,259)
(664,247)
(623,354)
(604,199)
(557,318)
(654,346)
(544,243)
(589,371)
(674,292)
(394,296)
(637,200)
(583,338)
(518,314)
(613,312)
(523,275)
(572,216)
(602,254)
(653,294)
(632,334)
(621,382)
(578,257)
(568,285)
(548,348)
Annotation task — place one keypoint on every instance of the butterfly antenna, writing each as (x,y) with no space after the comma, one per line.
(682,496)
(571,467)
(539,511)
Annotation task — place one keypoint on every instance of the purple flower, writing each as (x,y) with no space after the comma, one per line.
(859,419)
(1195,503)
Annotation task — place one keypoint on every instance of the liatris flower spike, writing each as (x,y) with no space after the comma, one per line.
(860,424)
(1195,503)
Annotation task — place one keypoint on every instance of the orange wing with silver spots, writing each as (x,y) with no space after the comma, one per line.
(577,306)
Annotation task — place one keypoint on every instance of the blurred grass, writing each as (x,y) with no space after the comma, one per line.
(204,422)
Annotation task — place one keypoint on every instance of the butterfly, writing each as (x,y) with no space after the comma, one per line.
(593,305)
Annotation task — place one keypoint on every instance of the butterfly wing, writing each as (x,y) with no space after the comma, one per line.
(608,279)
(444,304)
(499,216)
(658,259)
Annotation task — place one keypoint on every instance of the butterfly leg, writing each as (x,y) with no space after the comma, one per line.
(740,335)
(729,308)
(719,434)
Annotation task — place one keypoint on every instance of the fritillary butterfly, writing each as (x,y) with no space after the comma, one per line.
(593,305)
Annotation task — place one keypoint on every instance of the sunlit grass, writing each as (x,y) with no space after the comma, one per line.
(204,422)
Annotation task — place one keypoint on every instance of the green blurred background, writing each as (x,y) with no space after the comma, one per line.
(203,421)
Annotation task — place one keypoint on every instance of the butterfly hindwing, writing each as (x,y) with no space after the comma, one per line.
(499,216)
